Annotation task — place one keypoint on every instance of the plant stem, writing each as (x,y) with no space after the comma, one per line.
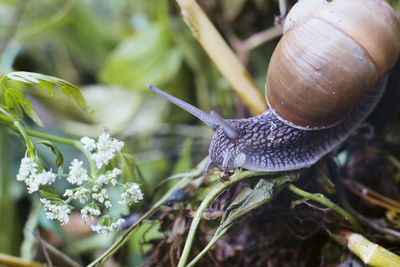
(17,126)
(217,235)
(65,141)
(7,206)
(206,202)
(49,22)
(9,260)
(30,146)
(65,258)
(326,202)
(19,11)
(262,37)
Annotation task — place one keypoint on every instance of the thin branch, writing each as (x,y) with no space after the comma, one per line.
(371,196)
(374,224)
(47,246)
(51,21)
(283,7)
(262,37)
(19,11)
(326,202)
(215,238)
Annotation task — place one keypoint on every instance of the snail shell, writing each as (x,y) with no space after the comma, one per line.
(331,54)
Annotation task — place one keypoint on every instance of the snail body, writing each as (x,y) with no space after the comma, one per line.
(316,100)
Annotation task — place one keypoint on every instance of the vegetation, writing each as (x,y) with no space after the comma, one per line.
(97,170)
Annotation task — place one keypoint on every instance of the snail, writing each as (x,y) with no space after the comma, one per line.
(324,78)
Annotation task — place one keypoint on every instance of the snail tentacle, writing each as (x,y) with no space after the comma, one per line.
(198,113)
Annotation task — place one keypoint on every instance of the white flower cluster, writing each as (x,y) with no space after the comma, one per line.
(131,194)
(28,173)
(106,228)
(80,193)
(102,151)
(77,173)
(89,212)
(57,211)
(109,177)
(102,197)
(88,188)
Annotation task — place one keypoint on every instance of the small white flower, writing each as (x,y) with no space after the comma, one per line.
(113,176)
(45,177)
(101,180)
(101,197)
(27,167)
(83,194)
(28,173)
(89,212)
(37,179)
(80,193)
(56,211)
(107,228)
(131,194)
(32,184)
(77,173)
(106,148)
(108,204)
(68,193)
(95,187)
(88,143)
(109,178)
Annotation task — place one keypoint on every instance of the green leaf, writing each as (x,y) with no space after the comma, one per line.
(132,173)
(249,199)
(128,167)
(147,57)
(47,82)
(16,102)
(48,193)
(13,100)
(26,105)
(4,119)
(57,153)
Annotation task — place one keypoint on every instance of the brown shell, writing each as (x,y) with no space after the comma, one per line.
(329,56)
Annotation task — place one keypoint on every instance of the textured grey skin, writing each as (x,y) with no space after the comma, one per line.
(264,143)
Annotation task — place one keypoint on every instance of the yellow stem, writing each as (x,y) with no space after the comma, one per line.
(370,253)
(9,260)
(222,55)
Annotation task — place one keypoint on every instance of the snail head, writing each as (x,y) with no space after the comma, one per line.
(227,148)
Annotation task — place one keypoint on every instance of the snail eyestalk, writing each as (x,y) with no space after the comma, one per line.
(229,129)
(198,113)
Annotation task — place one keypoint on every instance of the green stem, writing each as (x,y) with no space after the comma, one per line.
(17,124)
(125,237)
(66,141)
(218,234)
(29,144)
(8,224)
(326,202)
(206,202)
